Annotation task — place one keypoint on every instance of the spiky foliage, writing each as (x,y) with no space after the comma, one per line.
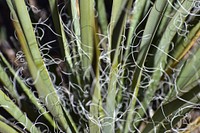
(99,65)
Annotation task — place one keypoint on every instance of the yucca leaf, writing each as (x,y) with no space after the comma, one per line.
(87,33)
(169,12)
(27,91)
(9,106)
(77,50)
(76,22)
(10,124)
(161,53)
(189,71)
(117,8)
(95,108)
(147,7)
(135,19)
(76,25)
(163,46)
(119,51)
(115,41)
(36,65)
(64,46)
(165,110)
(102,16)
(4,78)
(184,47)
(96,105)
(5,128)
(150,29)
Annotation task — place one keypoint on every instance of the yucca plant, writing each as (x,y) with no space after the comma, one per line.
(99,66)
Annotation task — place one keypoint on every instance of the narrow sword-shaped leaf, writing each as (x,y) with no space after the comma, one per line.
(64,46)
(184,47)
(96,105)
(115,40)
(5,128)
(189,73)
(4,78)
(117,9)
(161,54)
(11,124)
(12,109)
(165,110)
(163,46)
(136,16)
(36,65)
(102,16)
(87,33)
(150,29)
(28,92)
